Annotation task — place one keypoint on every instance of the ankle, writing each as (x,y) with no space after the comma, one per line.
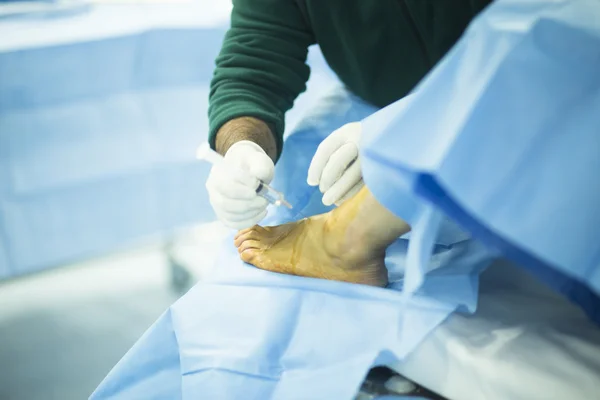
(345,239)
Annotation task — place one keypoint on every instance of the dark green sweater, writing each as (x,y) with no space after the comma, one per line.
(379,49)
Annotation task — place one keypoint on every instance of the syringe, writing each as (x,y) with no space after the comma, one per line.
(274,197)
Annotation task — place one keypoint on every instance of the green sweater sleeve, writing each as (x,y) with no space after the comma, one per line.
(261,68)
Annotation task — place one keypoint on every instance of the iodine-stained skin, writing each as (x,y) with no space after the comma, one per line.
(346,244)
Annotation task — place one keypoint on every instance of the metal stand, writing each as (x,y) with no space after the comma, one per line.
(181,277)
(377,385)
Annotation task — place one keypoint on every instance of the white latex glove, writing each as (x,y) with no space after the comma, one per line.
(232,185)
(335,166)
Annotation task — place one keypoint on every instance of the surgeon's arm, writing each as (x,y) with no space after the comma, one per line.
(260,71)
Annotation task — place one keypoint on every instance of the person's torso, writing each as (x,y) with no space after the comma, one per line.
(380,49)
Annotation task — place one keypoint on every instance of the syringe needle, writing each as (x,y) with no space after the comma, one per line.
(285,203)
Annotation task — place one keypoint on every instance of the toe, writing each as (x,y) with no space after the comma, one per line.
(249,235)
(248,245)
(244,231)
(260,260)
(249,256)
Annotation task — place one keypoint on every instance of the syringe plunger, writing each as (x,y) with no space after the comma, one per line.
(204,152)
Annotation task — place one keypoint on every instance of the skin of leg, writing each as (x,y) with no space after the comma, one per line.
(346,244)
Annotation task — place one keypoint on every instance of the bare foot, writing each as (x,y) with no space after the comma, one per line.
(315,247)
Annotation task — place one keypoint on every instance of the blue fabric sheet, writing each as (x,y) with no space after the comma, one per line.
(247,333)
(98,127)
(507,140)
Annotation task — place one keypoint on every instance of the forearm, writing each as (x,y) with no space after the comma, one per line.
(260,70)
(246,128)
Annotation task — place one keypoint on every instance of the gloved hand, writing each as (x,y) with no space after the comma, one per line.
(232,185)
(335,166)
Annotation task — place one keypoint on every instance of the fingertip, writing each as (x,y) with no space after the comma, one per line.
(327,202)
(328,199)
(324,187)
(350,193)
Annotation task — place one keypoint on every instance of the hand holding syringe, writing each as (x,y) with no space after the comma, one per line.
(274,197)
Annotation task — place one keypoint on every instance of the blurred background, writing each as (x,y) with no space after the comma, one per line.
(104,219)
